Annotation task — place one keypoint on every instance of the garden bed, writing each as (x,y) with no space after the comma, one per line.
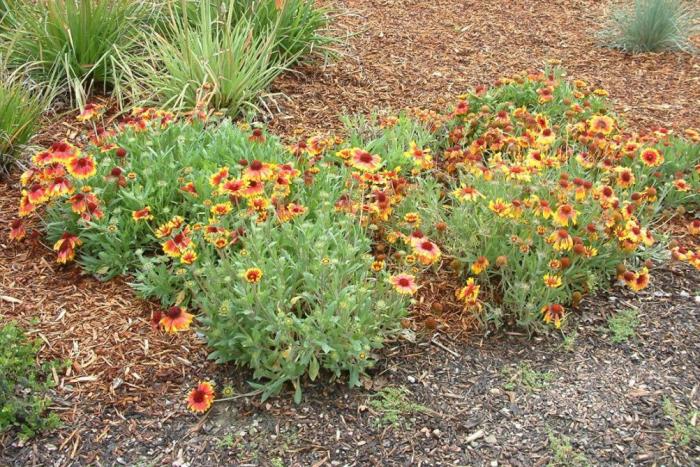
(122,399)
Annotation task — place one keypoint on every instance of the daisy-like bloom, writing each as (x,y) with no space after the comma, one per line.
(561,240)
(25,206)
(553,313)
(546,94)
(420,157)
(552,280)
(363,160)
(142,214)
(694,227)
(377,265)
(470,291)
(253,275)
(651,157)
(188,256)
(37,194)
(178,244)
(257,136)
(542,208)
(467,193)
(189,188)
(43,158)
(412,218)
(60,186)
(681,185)
(253,188)
(17,230)
(65,246)
(637,281)
(546,137)
(63,151)
(176,319)
(565,214)
(219,176)
(427,252)
(500,207)
(480,265)
(625,177)
(258,170)
(201,397)
(82,167)
(221,209)
(90,112)
(404,284)
(601,124)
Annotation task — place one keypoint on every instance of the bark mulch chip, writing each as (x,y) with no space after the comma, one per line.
(439,395)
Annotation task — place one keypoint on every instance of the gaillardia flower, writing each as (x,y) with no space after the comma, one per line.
(65,246)
(553,313)
(253,275)
(176,319)
(404,284)
(142,214)
(201,398)
(82,167)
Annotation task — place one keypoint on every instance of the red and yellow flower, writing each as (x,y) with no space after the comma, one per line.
(427,252)
(253,275)
(201,398)
(651,157)
(480,265)
(142,214)
(561,240)
(65,247)
(176,319)
(553,313)
(363,160)
(82,167)
(564,215)
(404,284)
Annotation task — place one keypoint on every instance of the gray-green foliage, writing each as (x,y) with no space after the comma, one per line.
(652,26)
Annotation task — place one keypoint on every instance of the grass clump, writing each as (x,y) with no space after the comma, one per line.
(224,53)
(652,26)
(623,325)
(21,107)
(23,385)
(77,45)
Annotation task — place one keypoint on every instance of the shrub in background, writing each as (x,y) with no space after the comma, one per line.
(23,385)
(653,26)
(226,52)
(77,45)
(21,107)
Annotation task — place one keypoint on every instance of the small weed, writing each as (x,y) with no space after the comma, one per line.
(227,442)
(526,377)
(277,462)
(622,325)
(394,405)
(684,429)
(569,341)
(563,454)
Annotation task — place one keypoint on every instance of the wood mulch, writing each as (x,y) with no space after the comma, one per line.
(122,399)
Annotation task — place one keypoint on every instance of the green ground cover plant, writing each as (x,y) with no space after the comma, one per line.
(23,385)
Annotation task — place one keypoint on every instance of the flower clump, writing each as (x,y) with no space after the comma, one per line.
(303,257)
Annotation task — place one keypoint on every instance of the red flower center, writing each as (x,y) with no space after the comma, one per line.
(365,157)
(256,165)
(198,396)
(174,312)
(403,282)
